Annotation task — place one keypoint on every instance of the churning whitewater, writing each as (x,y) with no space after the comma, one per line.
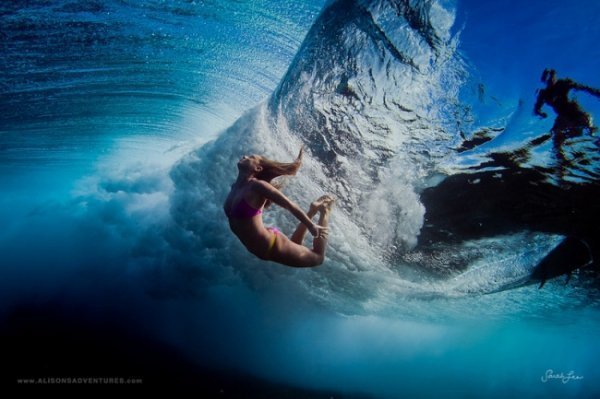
(373,95)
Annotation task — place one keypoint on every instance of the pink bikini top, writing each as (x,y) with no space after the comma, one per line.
(243,210)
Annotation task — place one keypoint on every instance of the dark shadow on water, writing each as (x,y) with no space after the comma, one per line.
(511,192)
(484,204)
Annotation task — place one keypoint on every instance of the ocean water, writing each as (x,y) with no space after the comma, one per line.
(120,126)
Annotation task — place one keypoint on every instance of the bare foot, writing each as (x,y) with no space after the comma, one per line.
(317,204)
(327,204)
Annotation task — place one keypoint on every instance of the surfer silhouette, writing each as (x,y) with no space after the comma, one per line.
(571,120)
(252,192)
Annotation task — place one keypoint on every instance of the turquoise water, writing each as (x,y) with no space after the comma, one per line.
(121,123)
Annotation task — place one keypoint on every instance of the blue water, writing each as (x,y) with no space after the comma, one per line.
(120,125)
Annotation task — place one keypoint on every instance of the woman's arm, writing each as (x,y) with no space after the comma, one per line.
(271,193)
(581,87)
(591,90)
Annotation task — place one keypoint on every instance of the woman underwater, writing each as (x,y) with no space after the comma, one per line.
(252,192)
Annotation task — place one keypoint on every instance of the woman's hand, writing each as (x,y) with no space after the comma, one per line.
(318,231)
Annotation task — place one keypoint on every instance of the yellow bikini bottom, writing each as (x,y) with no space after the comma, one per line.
(273,241)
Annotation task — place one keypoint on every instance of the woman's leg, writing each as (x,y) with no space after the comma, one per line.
(298,236)
(320,243)
(293,254)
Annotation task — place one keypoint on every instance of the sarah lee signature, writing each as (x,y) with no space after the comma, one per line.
(562,377)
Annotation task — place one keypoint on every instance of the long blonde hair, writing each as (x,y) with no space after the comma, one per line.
(272,169)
